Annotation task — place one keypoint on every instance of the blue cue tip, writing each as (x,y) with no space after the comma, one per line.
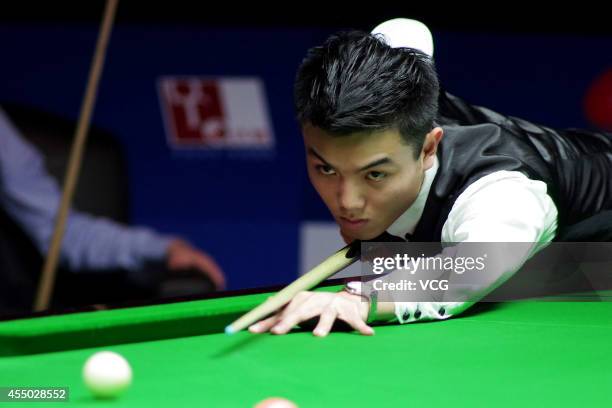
(229,330)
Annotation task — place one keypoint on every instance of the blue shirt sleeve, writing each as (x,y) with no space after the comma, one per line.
(31,197)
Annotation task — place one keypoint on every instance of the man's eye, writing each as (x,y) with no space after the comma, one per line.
(326,170)
(376,175)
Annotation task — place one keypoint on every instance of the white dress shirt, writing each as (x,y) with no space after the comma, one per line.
(505,206)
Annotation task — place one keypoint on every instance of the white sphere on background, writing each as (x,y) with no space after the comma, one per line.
(405,32)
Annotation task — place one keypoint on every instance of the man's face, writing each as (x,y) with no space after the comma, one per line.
(367,180)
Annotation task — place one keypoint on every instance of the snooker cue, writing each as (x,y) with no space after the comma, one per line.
(45,286)
(335,263)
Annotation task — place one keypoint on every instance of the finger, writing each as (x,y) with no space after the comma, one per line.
(292,319)
(264,325)
(177,254)
(357,323)
(212,269)
(326,321)
(362,327)
(175,261)
(305,306)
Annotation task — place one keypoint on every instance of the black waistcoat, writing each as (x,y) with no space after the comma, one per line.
(576,165)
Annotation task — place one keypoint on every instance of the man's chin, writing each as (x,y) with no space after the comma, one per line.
(362,236)
(370,237)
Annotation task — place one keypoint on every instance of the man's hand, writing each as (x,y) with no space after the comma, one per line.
(181,255)
(329,306)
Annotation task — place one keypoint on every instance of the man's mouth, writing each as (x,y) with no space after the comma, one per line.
(352,224)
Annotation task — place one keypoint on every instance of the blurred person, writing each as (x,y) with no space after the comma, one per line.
(93,247)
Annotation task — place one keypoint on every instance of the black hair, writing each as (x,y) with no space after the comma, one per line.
(355,82)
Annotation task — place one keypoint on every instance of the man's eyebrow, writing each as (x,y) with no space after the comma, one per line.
(384,160)
(318,156)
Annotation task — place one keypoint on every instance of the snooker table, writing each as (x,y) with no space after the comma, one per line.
(529,353)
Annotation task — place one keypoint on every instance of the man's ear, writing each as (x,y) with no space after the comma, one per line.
(430,147)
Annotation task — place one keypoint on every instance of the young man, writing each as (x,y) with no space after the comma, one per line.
(382,164)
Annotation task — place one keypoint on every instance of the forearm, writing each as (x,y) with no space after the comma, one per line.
(98,243)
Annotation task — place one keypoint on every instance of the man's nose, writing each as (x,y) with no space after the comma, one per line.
(350,198)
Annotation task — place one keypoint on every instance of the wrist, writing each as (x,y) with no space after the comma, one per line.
(368,300)
(362,303)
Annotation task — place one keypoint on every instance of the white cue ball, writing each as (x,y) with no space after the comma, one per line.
(107,374)
(404,32)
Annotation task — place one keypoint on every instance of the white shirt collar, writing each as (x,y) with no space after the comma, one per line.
(407,222)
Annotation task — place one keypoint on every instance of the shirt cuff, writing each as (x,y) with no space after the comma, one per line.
(408,312)
(151,246)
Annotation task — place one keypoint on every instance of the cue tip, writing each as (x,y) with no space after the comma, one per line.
(229,330)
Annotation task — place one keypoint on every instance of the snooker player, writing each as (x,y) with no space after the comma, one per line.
(391,154)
